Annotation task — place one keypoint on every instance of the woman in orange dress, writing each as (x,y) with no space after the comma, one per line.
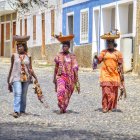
(110,79)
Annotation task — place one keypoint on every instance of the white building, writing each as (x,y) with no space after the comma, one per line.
(7,28)
(119,15)
(40,25)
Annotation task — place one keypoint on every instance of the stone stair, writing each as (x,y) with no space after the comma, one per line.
(5,60)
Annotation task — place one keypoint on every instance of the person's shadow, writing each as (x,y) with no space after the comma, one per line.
(114,110)
(27,114)
(67,112)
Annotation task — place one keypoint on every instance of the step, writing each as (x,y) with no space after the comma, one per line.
(39,62)
(5,60)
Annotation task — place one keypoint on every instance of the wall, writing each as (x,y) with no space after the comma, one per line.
(76,9)
(84,55)
(51,52)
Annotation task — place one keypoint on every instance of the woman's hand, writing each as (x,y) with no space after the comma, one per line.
(36,80)
(77,84)
(10,87)
(54,80)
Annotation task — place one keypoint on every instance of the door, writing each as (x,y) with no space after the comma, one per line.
(14,33)
(2,39)
(127,51)
(70,29)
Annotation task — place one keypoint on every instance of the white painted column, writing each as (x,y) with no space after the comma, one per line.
(38,30)
(30,30)
(134,16)
(117,25)
(95,38)
(102,42)
(48,26)
(18,25)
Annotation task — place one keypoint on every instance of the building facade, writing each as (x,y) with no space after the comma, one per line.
(39,25)
(89,19)
(7,29)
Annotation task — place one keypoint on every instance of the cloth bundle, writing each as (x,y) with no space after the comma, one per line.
(39,93)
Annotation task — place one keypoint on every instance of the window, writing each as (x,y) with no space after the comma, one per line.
(8,17)
(21,27)
(84,26)
(34,27)
(2,18)
(14,16)
(25,26)
(7,31)
(52,21)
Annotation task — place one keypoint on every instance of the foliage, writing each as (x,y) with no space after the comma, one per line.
(26,6)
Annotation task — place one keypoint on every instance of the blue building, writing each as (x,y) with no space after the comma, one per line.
(88,19)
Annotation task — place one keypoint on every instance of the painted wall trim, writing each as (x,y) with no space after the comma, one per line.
(72,3)
(113,4)
(125,1)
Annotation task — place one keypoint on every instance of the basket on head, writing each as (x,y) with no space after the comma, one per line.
(114,34)
(61,38)
(21,39)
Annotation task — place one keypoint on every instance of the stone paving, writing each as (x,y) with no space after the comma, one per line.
(84,119)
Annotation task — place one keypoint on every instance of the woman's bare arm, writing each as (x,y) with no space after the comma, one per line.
(10,71)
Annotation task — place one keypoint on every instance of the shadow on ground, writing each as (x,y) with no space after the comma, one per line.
(67,112)
(115,110)
(25,131)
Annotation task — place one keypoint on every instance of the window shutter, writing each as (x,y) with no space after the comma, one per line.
(21,27)
(84,26)
(34,27)
(52,22)
(25,23)
(7,31)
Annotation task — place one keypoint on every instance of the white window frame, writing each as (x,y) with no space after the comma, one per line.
(69,14)
(85,41)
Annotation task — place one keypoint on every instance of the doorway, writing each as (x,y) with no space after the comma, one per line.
(127,51)
(2,40)
(70,29)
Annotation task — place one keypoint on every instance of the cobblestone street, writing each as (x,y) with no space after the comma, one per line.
(84,119)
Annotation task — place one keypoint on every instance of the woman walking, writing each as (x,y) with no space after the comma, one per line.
(65,75)
(110,77)
(20,75)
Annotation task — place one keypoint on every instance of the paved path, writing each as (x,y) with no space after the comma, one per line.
(84,119)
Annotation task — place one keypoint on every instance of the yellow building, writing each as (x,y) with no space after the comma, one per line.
(137,42)
(7,28)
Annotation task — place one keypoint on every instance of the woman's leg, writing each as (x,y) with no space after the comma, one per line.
(61,94)
(104,99)
(116,97)
(17,89)
(112,98)
(23,97)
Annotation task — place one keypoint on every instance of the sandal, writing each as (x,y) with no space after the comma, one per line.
(62,111)
(105,110)
(15,115)
(23,113)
